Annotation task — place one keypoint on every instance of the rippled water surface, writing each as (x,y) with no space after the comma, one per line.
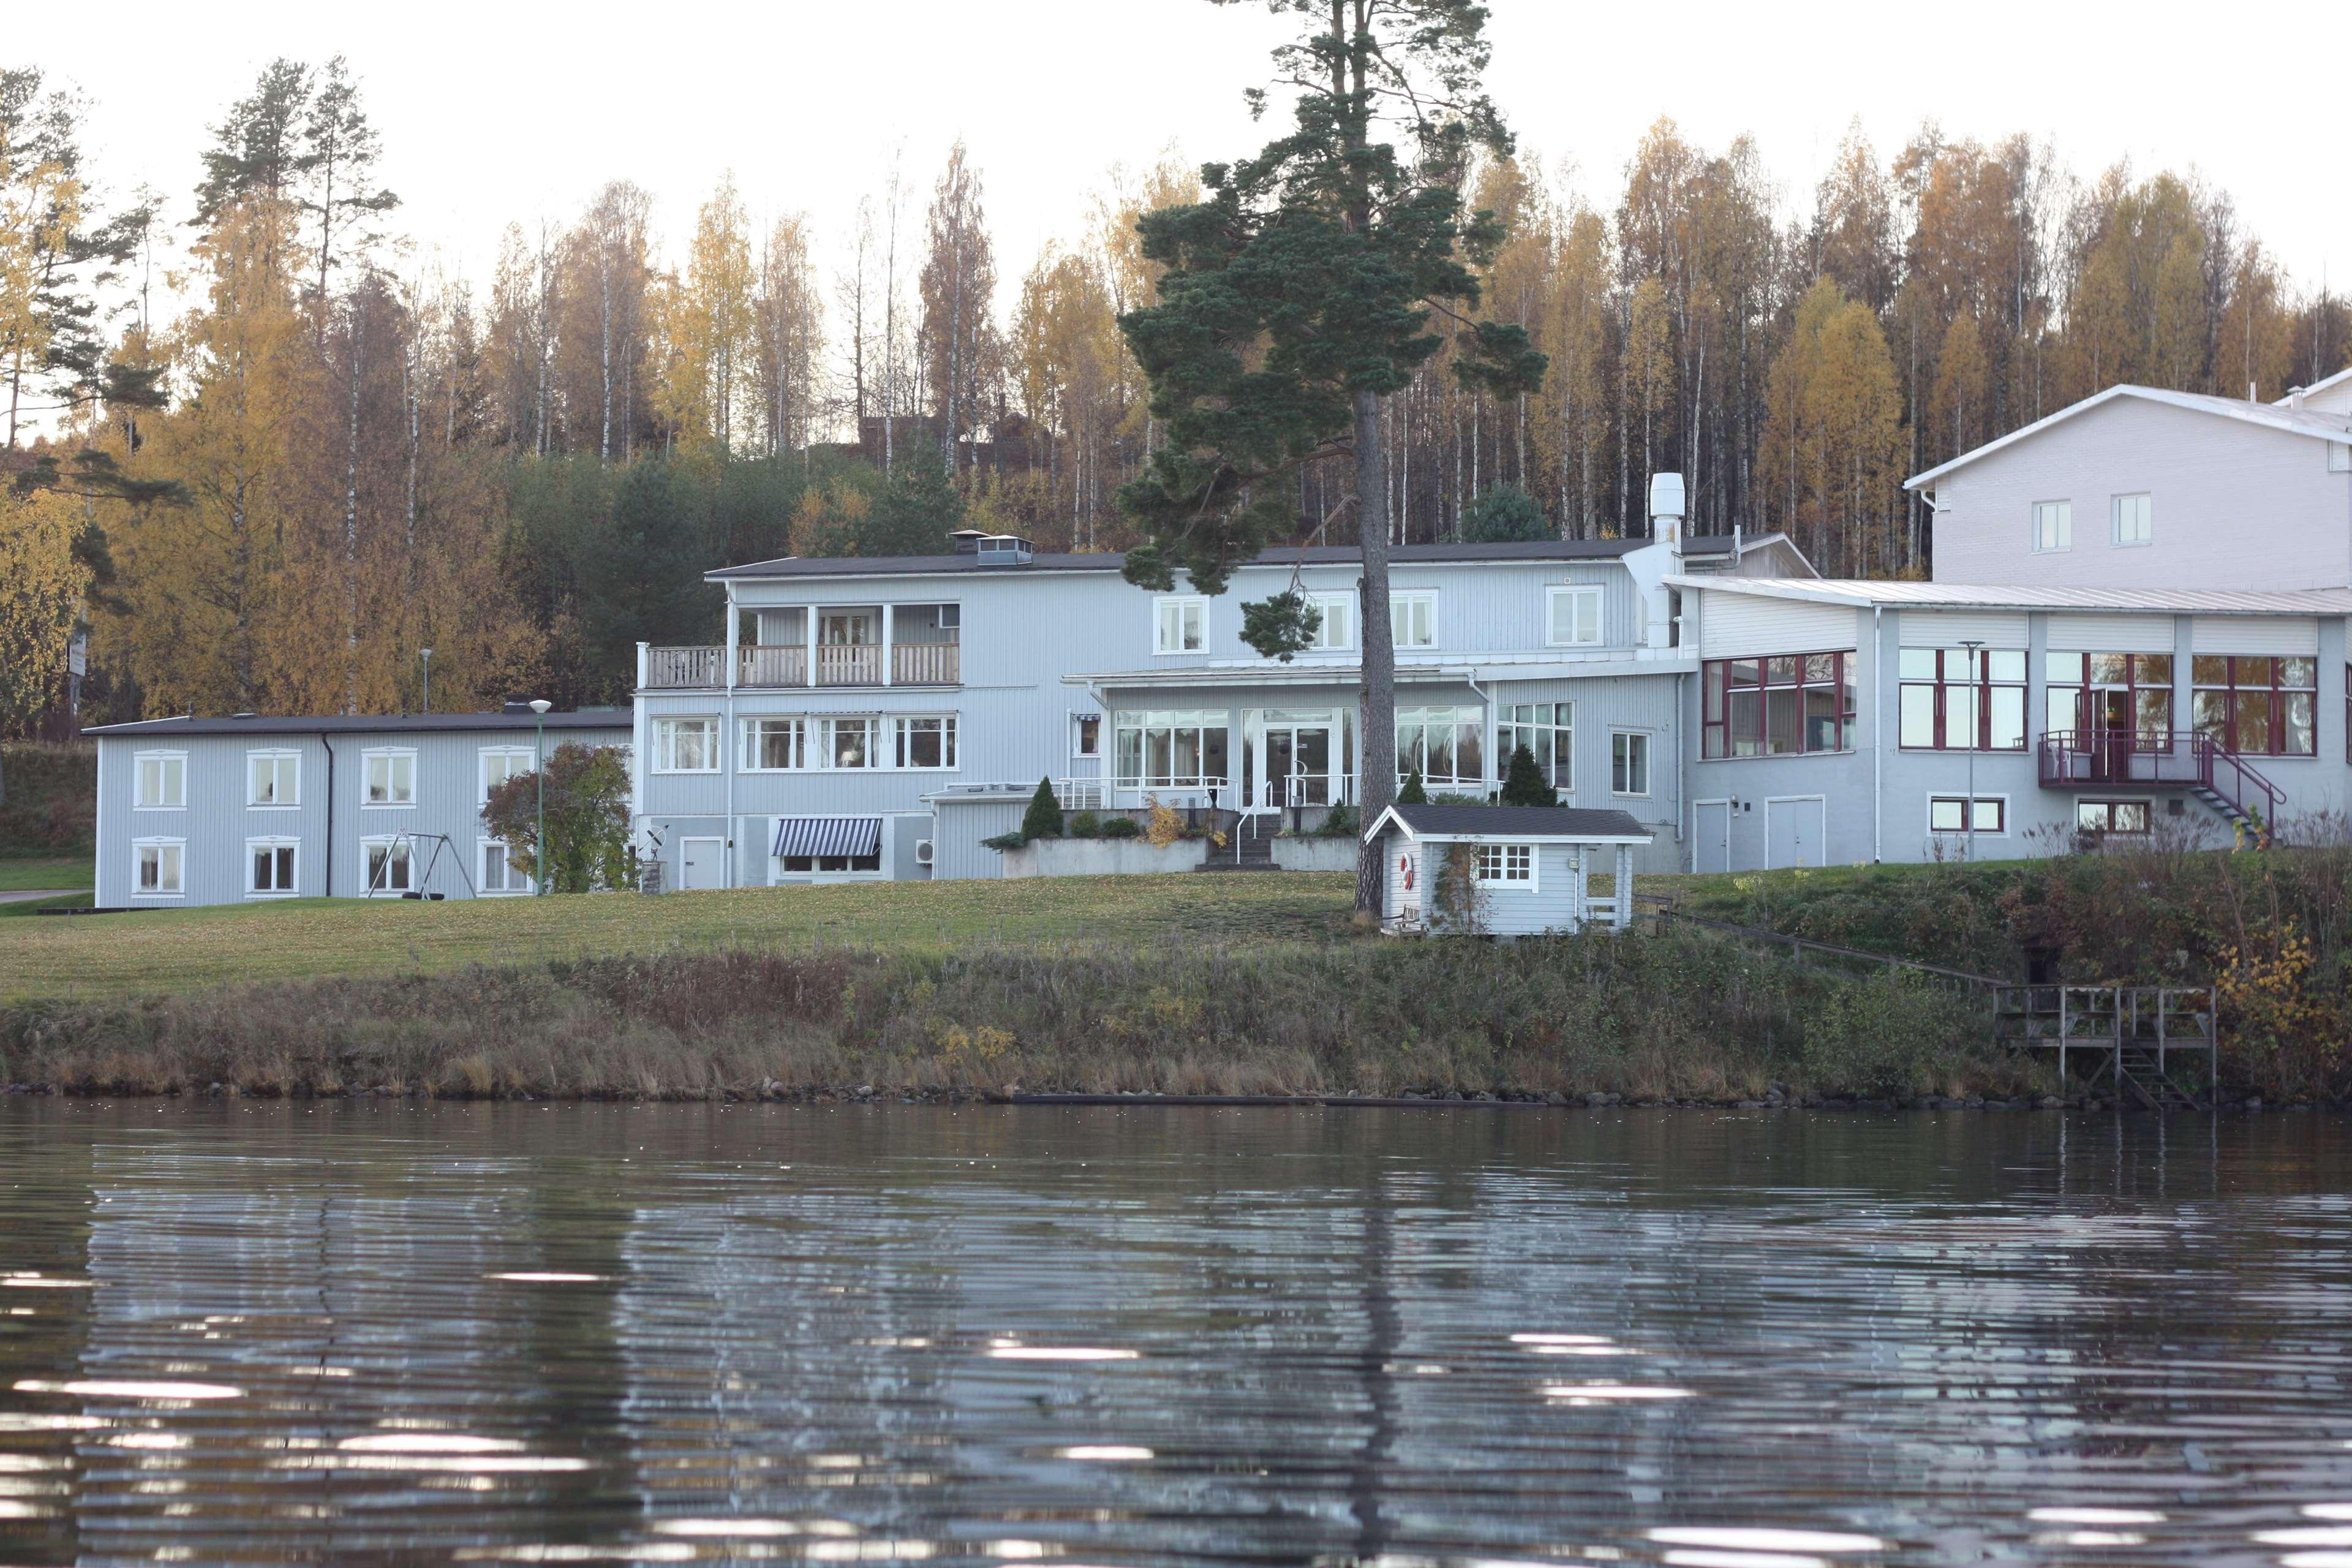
(268,1332)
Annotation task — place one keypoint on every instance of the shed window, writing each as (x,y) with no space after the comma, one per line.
(1505,865)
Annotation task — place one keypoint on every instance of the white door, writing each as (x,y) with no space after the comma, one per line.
(1792,832)
(1711,836)
(698,863)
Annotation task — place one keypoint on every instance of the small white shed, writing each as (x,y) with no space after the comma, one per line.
(1504,871)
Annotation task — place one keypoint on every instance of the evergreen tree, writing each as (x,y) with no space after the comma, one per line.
(1524,784)
(1411,794)
(916,511)
(1044,817)
(1299,297)
(1504,514)
(642,578)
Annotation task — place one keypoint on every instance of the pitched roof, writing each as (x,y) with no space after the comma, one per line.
(2276,417)
(1863,592)
(1515,821)
(1112,561)
(365,723)
(2322,385)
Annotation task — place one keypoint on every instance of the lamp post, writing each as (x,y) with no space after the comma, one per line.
(1976,727)
(426,654)
(539,707)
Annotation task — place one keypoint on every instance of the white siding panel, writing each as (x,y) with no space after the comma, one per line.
(1739,625)
(2111,634)
(2255,635)
(1951,628)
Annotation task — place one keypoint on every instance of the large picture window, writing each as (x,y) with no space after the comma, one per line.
(1779,706)
(2262,706)
(1547,730)
(2111,694)
(1962,699)
(685,745)
(1445,745)
(1171,749)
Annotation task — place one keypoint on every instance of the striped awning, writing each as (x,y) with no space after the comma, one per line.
(828,835)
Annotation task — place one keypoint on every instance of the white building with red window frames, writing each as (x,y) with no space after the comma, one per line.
(2137,623)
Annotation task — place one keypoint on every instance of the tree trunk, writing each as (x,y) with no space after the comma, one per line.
(1376,699)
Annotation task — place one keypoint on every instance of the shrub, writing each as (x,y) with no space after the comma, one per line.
(1524,784)
(1044,817)
(1121,827)
(1004,841)
(1413,793)
(1086,824)
(1884,1036)
(1165,828)
(1342,822)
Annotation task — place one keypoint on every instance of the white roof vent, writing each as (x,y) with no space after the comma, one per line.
(1004,549)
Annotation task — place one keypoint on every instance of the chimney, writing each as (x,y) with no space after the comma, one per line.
(1666,510)
(2295,399)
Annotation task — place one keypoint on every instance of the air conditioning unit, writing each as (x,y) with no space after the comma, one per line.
(923,851)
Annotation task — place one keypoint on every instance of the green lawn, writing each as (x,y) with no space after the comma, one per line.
(18,875)
(165,951)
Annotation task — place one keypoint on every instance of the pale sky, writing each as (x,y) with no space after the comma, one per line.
(493,112)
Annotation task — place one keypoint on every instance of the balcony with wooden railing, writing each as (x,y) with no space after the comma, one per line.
(787,664)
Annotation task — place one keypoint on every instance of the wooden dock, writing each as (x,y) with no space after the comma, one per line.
(2156,1045)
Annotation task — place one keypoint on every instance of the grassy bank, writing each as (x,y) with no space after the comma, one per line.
(51,803)
(156,952)
(1668,1019)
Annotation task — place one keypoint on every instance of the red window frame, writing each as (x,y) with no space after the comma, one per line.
(2232,689)
(1984,685)
(1776,672)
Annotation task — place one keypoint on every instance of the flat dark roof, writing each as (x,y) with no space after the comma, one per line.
(1288,555)
(368,724)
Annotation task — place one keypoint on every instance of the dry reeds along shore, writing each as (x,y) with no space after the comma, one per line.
(1667,1019)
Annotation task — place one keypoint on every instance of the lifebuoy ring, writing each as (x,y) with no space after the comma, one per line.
(1405,864)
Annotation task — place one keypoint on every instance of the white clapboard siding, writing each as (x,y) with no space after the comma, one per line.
(2111,634)
(1741,626)
(1951,628)
(2273,635)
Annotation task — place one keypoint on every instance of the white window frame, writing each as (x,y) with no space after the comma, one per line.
(1183,607)
(1942,797)
(1506,856)
(1649,754)
(526,759)
(388,841)
(483,887)
(1342,606)
(172,765)
(1562,721)
(1581,593)
(292,800)
(273,844)
(948,742)
(179,847)
(391,756)
(665,727)
(1409,600)
(2063,511)
(823,745)
(778,877)
(754,747)
(1077,725)
(2116,522)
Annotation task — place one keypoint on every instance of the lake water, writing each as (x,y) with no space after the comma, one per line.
(270,1333)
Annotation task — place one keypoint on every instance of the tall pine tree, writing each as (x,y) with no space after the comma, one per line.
(1303,290)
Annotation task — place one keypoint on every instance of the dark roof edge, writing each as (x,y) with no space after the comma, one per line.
(1112,561)
(360,723)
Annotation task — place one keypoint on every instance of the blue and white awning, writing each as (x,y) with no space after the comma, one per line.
(828,835)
